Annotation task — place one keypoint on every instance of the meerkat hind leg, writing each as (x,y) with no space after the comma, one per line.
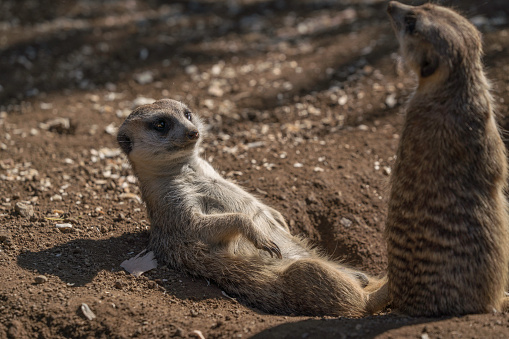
(317,288)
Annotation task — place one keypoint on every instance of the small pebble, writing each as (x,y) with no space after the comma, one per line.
(216,91)
(197,334)
(64,228)
(25,210)
(391,101)
(144,78)
(87,312)
(346,222)
(139,101)
(56,197)
(40,279)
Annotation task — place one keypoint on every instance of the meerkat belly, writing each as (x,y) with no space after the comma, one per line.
(440,261)
(220,196)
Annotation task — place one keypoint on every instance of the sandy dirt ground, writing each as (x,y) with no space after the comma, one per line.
(304,102)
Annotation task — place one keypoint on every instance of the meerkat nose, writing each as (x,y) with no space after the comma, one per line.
(397,9)
(193,135)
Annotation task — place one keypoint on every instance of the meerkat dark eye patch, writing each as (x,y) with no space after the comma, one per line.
(125,143)
(161,125)
(188,115)
(410,21)
(429,65)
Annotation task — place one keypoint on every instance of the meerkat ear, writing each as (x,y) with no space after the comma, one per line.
(429,65)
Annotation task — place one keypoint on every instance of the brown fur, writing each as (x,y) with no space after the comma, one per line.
(210,227)
(447,227)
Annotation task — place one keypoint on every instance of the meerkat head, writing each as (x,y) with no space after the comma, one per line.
(155,136)
(435,41)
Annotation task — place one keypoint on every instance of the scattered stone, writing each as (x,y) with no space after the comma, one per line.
(111,129)
(94,97)
(363,127)
(215,90)
(46,106)
(40,279)
(255,144)
(311,199)
(119,284)
(197,334)
(4,238)
(191,69)
(209,103)
(298,165)
(130,196)
(56,197)
(25,210)
(59,125)
(64,228)
(346,222)
(342,100)
(144,78)
(318,169)
(16,330)
(386,170)
(391,101)
(109,152)
(87,312)
(139,101)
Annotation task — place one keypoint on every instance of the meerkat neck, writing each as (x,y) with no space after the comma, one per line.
(157,185)
(164,168)
(470,87)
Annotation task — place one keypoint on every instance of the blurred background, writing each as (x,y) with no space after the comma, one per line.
(304,100)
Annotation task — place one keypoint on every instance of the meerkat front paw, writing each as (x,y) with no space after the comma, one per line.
(268,245)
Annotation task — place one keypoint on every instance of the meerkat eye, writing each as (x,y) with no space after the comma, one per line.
(160,125)
(410,21)
(187,114)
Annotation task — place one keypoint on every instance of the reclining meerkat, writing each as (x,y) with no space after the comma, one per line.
(447,226)
(210,227)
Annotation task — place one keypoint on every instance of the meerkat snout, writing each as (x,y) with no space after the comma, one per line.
(125,142)
(193,135)
(397,12)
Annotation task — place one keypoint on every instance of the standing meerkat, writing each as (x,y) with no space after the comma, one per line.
(447,227)
(210,227)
